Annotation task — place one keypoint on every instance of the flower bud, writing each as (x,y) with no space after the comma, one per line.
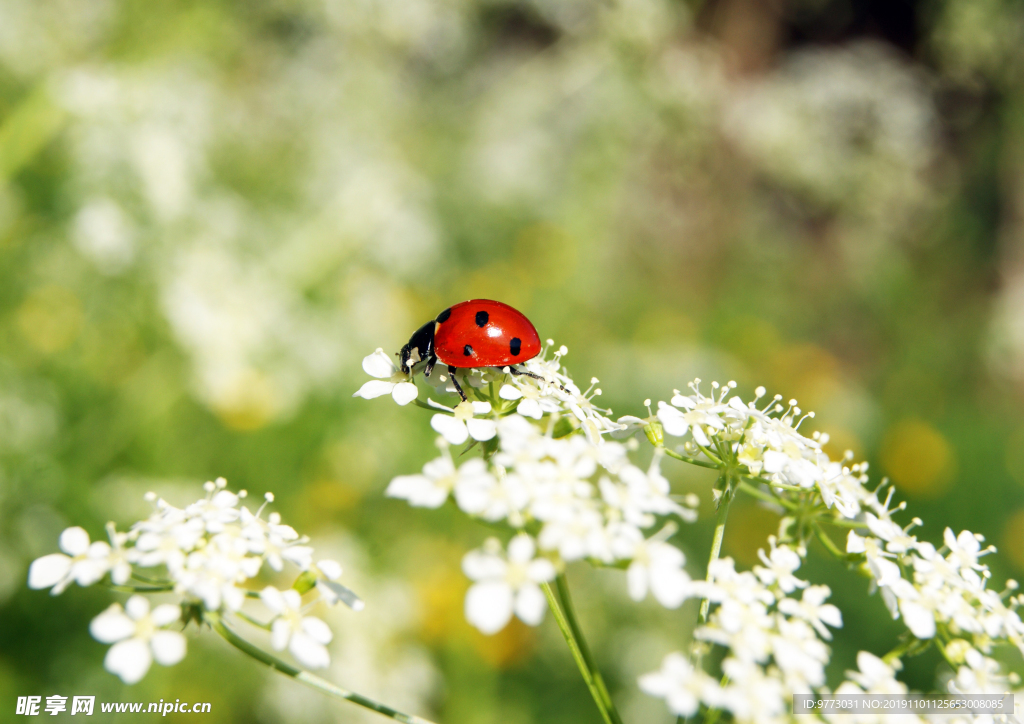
(655,433)
(305,582)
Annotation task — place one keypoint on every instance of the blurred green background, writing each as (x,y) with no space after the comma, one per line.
(211,210)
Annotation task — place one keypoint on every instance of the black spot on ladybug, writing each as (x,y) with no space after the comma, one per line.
(467,350)
(443,316)
(515,345)
(481,318)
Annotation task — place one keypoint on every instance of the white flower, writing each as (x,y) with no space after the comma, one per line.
(813,609)
(138,637)
(799,653)
(439,478)
(728,584)
(390,380)
(702,414)
(305,636)
(782,562)
(753,694)
(964,551)
(918,618)
(655,565)
(885,571)
(679,684)
(981,675)
(327,574)
(462,425)
(275,541)
(747,629)
(506,586)
(489,497)
(875,676)
(85,563)
(533,401)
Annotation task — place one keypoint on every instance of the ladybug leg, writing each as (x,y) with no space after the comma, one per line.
(523,373)
(431,361)
(451,371)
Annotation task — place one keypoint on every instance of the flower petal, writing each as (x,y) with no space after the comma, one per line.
(330,569)
(168,647)
(481,430)
(317,629)
(489,606)
(521,548)
(419,490)
(379,365)
(308,652)
(280,632)
(530,408)
(454,431)
(112,625)
(405,392)
(137,607)
(48,570)
(374,388)
(74,541)
(480,566)
(530,605)
(165,613)
(129,659)
(509,392)
(636,581)
(273,599)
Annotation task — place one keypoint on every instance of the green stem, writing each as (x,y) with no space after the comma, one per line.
(687,459)
(828,543)
(901,648)
(716,544)
(844,523)
(141,589)
(249,619)
(713,714)
(711,455)
(562,584)
(322,685)
(577,655)
(767,497)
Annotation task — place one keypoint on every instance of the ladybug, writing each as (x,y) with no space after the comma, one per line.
(477,333)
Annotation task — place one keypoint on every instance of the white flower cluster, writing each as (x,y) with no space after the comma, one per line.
(578,496)
(941,593)
(774,641)
(554,394)
(205,553)
(570,497)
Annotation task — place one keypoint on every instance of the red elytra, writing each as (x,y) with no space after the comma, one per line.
(477,333)
(484,333)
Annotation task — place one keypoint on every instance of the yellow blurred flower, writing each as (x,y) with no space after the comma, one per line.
(50,318)
(918,458)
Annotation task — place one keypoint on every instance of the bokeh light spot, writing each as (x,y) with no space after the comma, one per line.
(50,318)
(918,459)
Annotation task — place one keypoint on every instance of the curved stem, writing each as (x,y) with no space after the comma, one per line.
(711,456)
(577,654)
(767,497)
(311,680)
(562,584)
(140,589)
(688,459)
(716,544)
(829,544)
(845,523)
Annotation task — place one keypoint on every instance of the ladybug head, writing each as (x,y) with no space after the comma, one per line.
(420,347)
